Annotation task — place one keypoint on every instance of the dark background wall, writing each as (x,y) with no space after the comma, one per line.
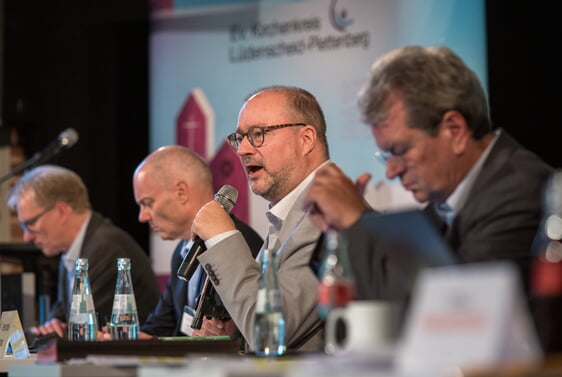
(85,66)
(524,66)
(82,65)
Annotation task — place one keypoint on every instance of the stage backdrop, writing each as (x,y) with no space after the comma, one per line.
(206,56)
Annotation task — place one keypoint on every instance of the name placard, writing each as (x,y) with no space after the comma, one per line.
(12,335)
(469,315)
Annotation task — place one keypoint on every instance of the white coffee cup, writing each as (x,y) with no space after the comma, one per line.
(369,327)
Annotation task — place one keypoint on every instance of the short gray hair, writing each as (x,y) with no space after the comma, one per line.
(50,184)
(431,81)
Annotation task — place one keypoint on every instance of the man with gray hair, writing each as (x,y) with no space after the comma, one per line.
(429,116)
(55,213)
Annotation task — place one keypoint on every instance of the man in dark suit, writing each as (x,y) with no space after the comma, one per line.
(429,116)
(54,211)
(171,185)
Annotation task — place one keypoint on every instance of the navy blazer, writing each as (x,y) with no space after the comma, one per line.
(166,318)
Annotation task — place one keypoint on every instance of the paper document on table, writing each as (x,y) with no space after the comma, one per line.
(12,335)
(470,315)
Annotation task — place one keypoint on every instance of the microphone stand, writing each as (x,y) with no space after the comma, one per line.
(24,165)
(207,306)
(37,159)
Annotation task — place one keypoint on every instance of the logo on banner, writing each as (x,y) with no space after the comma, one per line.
(296,35)
(338,17)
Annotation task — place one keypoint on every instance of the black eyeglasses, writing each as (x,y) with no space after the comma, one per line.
(26,224)
(256,135)
(386,156)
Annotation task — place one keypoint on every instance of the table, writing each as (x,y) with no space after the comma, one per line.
(238,365)
(5,363)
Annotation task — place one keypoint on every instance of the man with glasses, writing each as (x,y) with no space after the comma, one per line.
(429,116)
(55,214)
(281,141)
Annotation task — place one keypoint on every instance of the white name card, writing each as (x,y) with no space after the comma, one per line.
(468,316)
(11,334)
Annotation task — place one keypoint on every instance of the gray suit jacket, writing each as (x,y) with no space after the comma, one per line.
(238,273)
(498,222)
(103,244)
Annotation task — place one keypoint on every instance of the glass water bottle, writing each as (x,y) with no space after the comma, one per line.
(124,322)
(82,319)
(337,284)
(546,272)
(269,324)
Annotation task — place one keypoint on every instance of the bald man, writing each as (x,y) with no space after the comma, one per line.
(171,185)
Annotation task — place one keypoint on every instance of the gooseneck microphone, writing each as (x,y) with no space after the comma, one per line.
(65,140)
(226,197)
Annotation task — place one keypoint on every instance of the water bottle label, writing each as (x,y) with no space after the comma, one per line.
(81,303)
(335,294)
(124,303)
(269,301)
(275,301)
(82,318)
(90,303)
(261,301)
(75,303)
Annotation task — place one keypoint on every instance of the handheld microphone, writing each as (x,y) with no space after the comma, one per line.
(65,140)
(226,197)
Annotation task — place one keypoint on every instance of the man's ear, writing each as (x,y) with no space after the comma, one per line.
(309,138)
(62,209)
(456,128)
(182,191)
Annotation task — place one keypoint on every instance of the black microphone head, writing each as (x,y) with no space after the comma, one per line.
(68,138)
(227,197)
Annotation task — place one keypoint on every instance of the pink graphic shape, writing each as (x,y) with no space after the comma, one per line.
(194,123)
(195,130)
(161,5)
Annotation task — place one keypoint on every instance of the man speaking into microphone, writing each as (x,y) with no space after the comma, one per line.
(170,186)
(281,141)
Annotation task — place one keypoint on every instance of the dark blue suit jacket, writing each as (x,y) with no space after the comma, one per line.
(166,318)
